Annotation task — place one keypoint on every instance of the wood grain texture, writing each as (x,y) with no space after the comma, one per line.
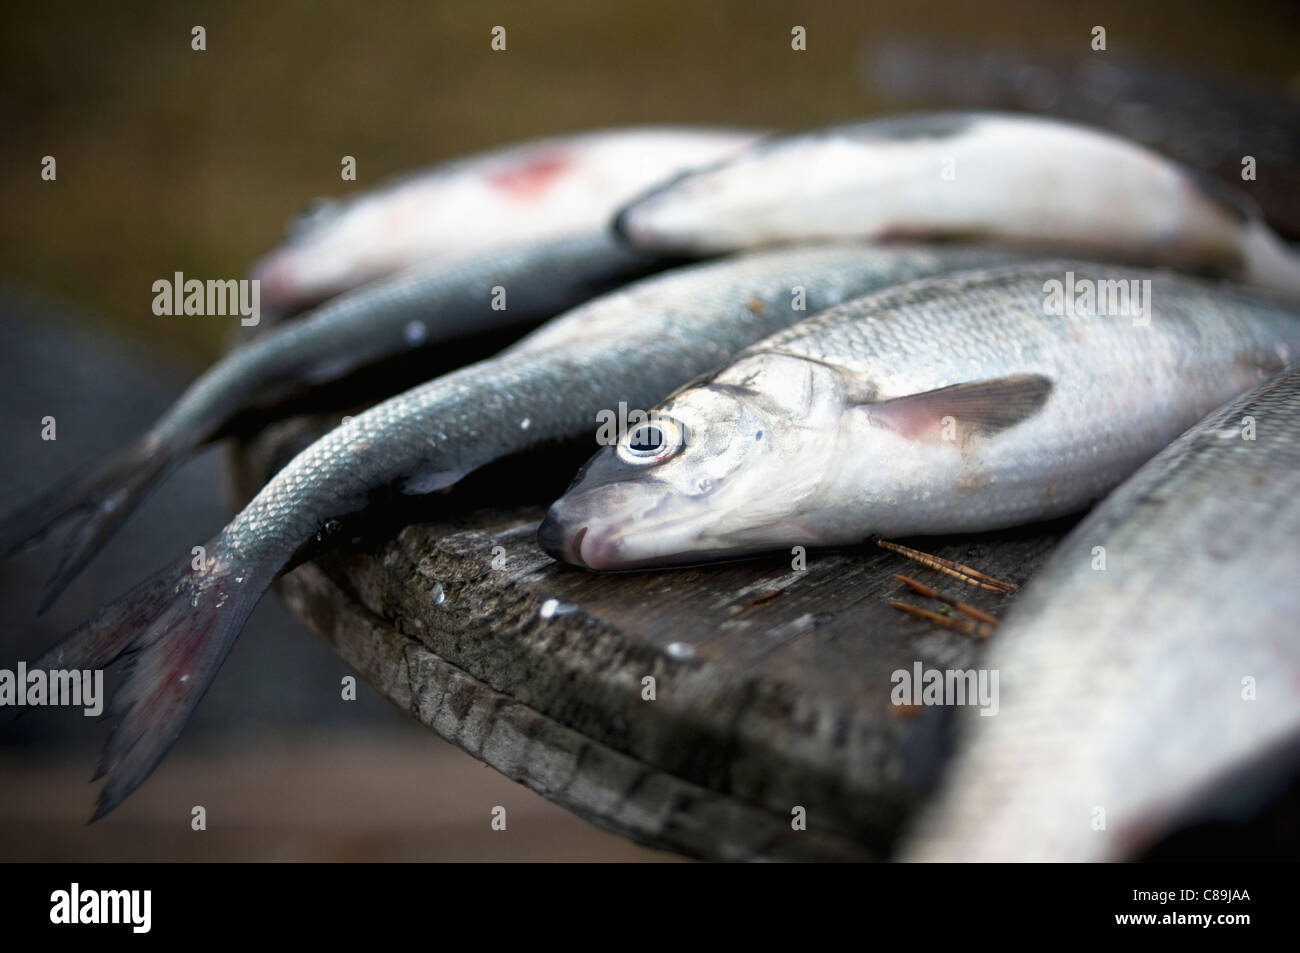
(772,684)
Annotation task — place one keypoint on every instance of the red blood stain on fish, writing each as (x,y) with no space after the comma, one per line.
(532,178)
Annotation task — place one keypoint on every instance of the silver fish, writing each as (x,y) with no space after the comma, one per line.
(422,308)
(529,193)
(1210,122)
(957,404)
(634,345)
(1041,182)
(1152,657)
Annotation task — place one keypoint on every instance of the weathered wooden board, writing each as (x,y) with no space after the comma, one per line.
(771,684)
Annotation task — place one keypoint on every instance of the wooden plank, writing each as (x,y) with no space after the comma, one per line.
(771,683)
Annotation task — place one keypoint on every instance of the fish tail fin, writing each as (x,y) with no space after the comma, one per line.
(176,629)
(1269,262)
(90,507)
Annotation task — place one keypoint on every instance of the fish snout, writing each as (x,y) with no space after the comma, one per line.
(633,225)
(581,533)
(640,222)
(558,541)
(623,226)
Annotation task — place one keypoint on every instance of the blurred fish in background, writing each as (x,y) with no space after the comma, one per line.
(1205,121)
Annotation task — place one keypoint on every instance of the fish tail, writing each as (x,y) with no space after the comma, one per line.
(175,628)
(1269,262)
(90,507)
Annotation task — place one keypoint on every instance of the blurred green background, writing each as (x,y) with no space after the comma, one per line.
(169,159)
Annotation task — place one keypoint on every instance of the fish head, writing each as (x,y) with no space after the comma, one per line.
(720,470)
(782,190)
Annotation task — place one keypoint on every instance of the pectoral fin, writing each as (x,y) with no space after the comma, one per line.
(961,410)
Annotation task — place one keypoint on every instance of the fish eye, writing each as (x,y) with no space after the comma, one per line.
(651,442)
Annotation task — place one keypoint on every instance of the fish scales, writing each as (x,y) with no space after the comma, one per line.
(952,404)
(1197,120)
(1133,685)
(944,333)
(426,304)
(631,346)
(1053,186)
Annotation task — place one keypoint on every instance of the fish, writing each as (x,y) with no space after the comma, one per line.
(414,312)
(1209,122)
(957,404)
(634,345)
(1150,663)
(1055,186)
(528,193)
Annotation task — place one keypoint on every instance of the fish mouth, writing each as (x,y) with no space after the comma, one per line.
(625,225)
(634,227)
(605,552)
(601,529)
(557,543)
(638,223)
(599,553)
